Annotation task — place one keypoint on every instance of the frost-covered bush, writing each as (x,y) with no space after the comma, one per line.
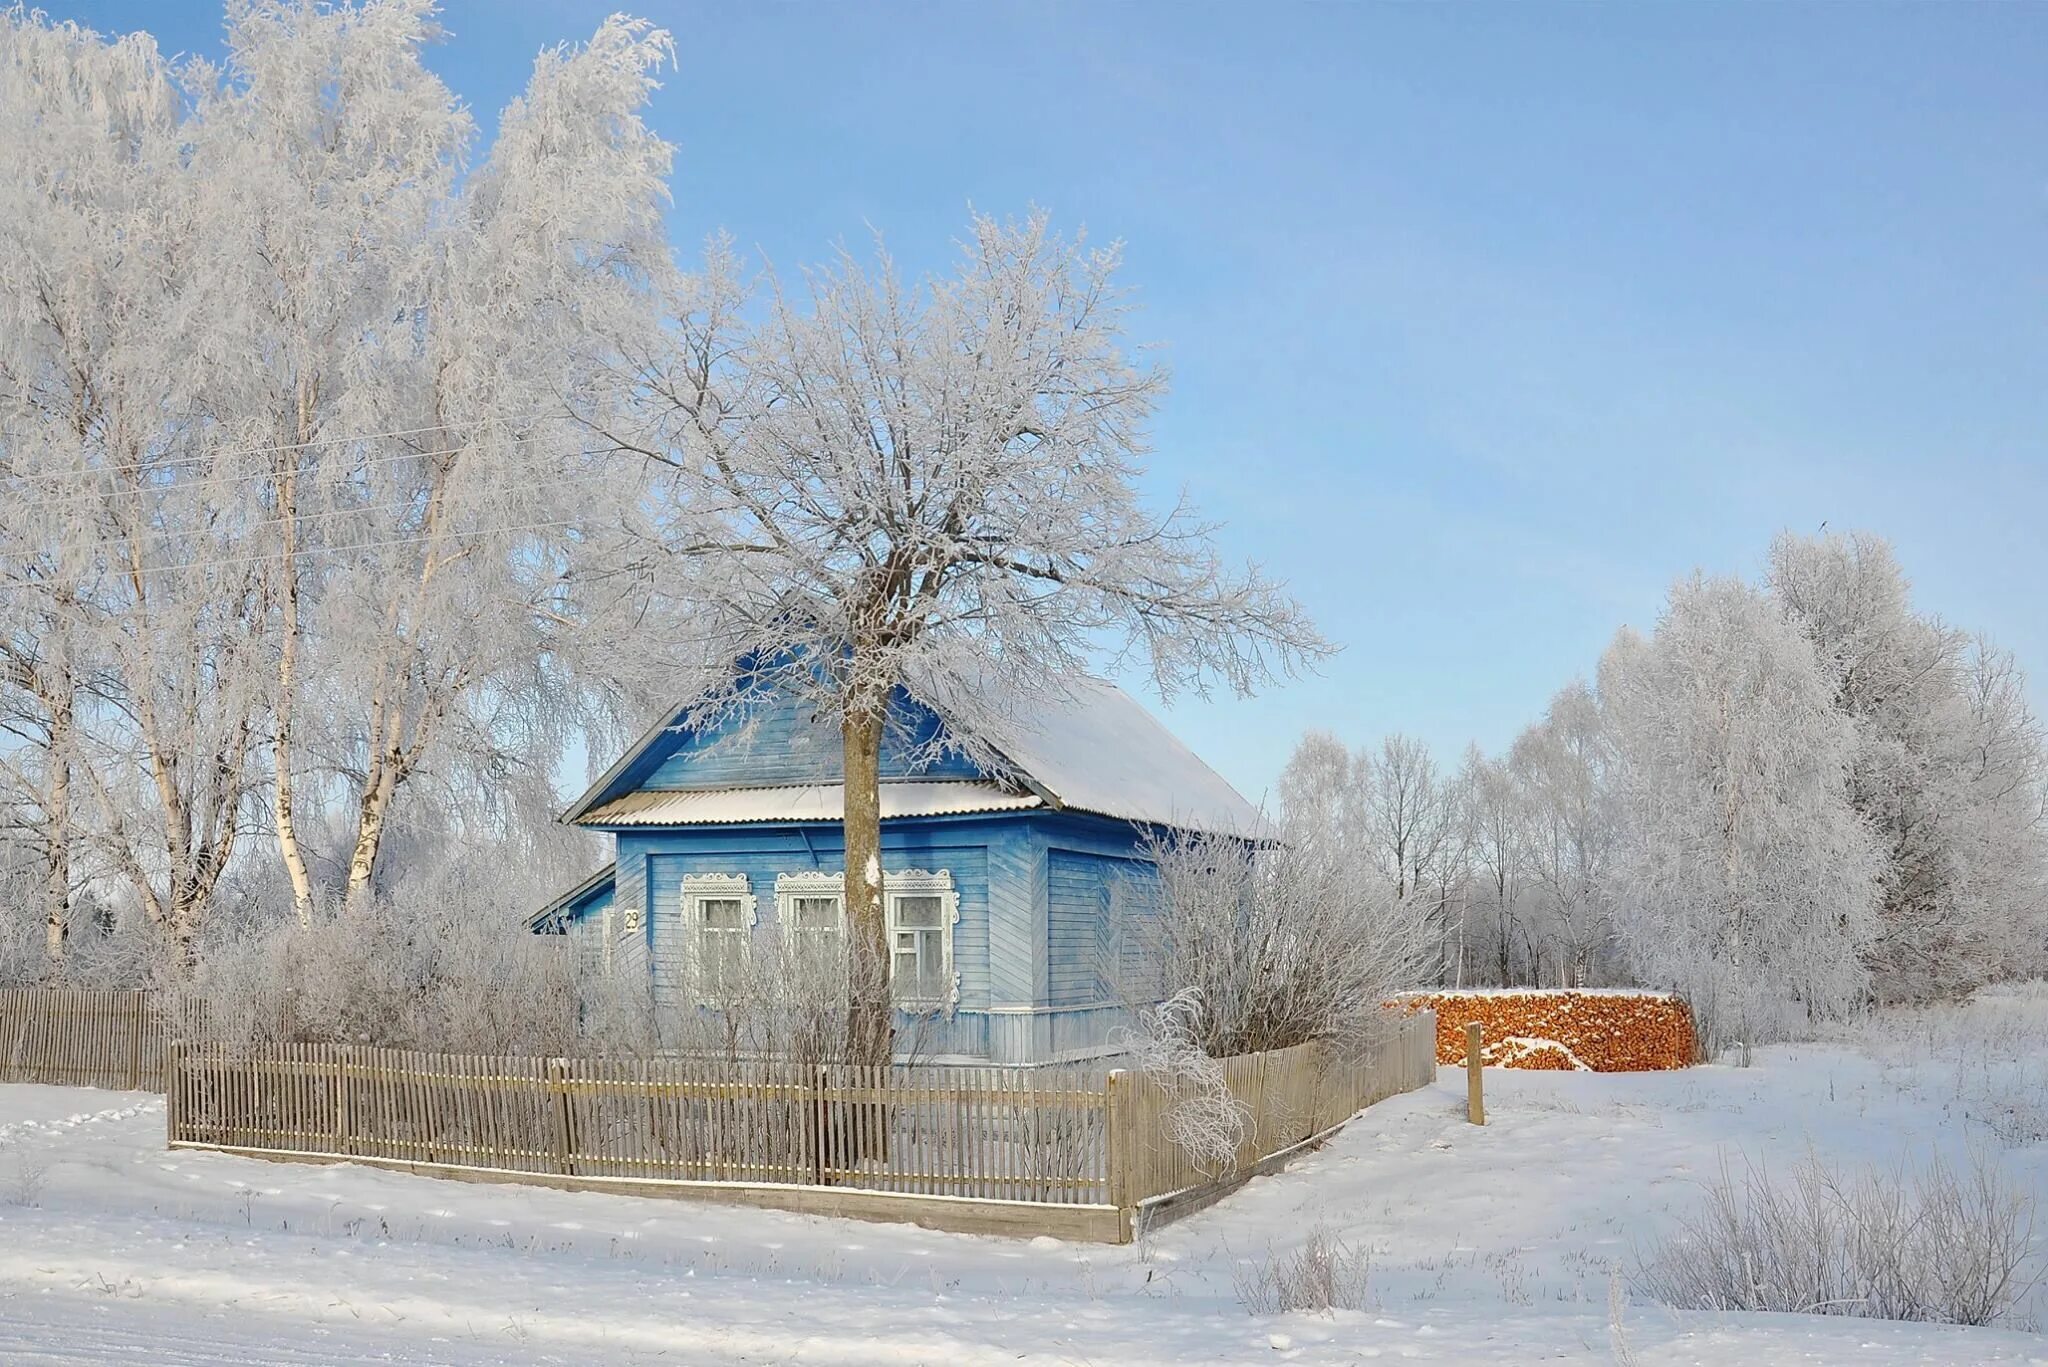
(1204,1118)
(793,1002)
(106,949)
(1264,948)
(435,975)
(1324,1274)
(1237,949)
(1940,1245)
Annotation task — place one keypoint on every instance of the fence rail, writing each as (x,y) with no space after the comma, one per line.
(74,1037)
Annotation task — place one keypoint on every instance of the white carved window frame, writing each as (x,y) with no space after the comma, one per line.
(925,883)
(810,883)
(699,888)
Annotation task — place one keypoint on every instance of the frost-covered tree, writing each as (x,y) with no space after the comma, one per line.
(1320,794)
(1498,832)
(421,490)
(131,615)
(1566,806)
(1391,811)
(881,484)
(1948,767)
(1746,878)
(290,501)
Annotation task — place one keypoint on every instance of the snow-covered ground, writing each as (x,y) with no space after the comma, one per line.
(1489,1245)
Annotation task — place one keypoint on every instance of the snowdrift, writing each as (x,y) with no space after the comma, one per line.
(1599,1031)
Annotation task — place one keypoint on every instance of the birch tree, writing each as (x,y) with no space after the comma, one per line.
(422,484)
(1320,794)
(932,486)
(1747,878)
(292,500)
(125,524)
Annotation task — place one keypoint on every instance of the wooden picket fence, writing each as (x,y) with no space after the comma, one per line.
(989,1150)
(1291,1097)
(1065,1151)
(72,1037)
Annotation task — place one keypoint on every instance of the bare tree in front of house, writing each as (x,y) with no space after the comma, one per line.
(933,486)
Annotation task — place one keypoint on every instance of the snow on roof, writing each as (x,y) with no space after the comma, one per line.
(813,802)
(1098,750)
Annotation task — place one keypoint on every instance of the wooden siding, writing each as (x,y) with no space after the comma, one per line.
(1077,923)
(963,849)
(1045,901)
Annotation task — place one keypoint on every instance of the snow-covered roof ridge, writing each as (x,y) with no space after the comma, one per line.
(1097,749)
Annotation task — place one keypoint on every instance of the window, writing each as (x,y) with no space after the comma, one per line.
(917,969)
(718,918)
(812,910)
(920,907)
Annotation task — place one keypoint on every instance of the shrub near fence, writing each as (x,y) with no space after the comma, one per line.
(75,1037)
(1597,1030)
(984,1150)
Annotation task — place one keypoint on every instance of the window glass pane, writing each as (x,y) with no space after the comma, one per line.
(723,962)
(721,912)
(917,911)
(817,913)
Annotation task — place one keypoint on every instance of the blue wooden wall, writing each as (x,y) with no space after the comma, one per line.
(778,743)
(1042,935)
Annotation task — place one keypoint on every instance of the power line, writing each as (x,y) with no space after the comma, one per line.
(246,527)
(317,551)
(138,467)
(82,497)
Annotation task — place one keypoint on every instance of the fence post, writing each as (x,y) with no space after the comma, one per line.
(558,1084)
(1116,1124)
(1475,1100)
(338,1061)
(174,1085)
(134,1041)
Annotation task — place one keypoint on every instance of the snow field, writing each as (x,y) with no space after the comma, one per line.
(1488,1245)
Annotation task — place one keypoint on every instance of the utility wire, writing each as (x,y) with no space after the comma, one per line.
(204,457)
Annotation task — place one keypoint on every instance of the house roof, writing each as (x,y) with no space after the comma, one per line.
(603,878)
(1098,750)
(811,802)
(1095,749)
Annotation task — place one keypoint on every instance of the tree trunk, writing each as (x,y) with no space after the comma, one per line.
(57,840)
(370,821)
(868,1029)
(287,696)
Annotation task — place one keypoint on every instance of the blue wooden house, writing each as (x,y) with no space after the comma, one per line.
(1009,888)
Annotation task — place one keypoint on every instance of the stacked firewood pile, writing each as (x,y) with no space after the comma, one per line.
(1595,1031)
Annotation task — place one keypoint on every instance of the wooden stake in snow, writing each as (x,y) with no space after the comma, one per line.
(1475,1102)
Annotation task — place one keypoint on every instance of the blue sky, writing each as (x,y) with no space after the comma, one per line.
(1486,323)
